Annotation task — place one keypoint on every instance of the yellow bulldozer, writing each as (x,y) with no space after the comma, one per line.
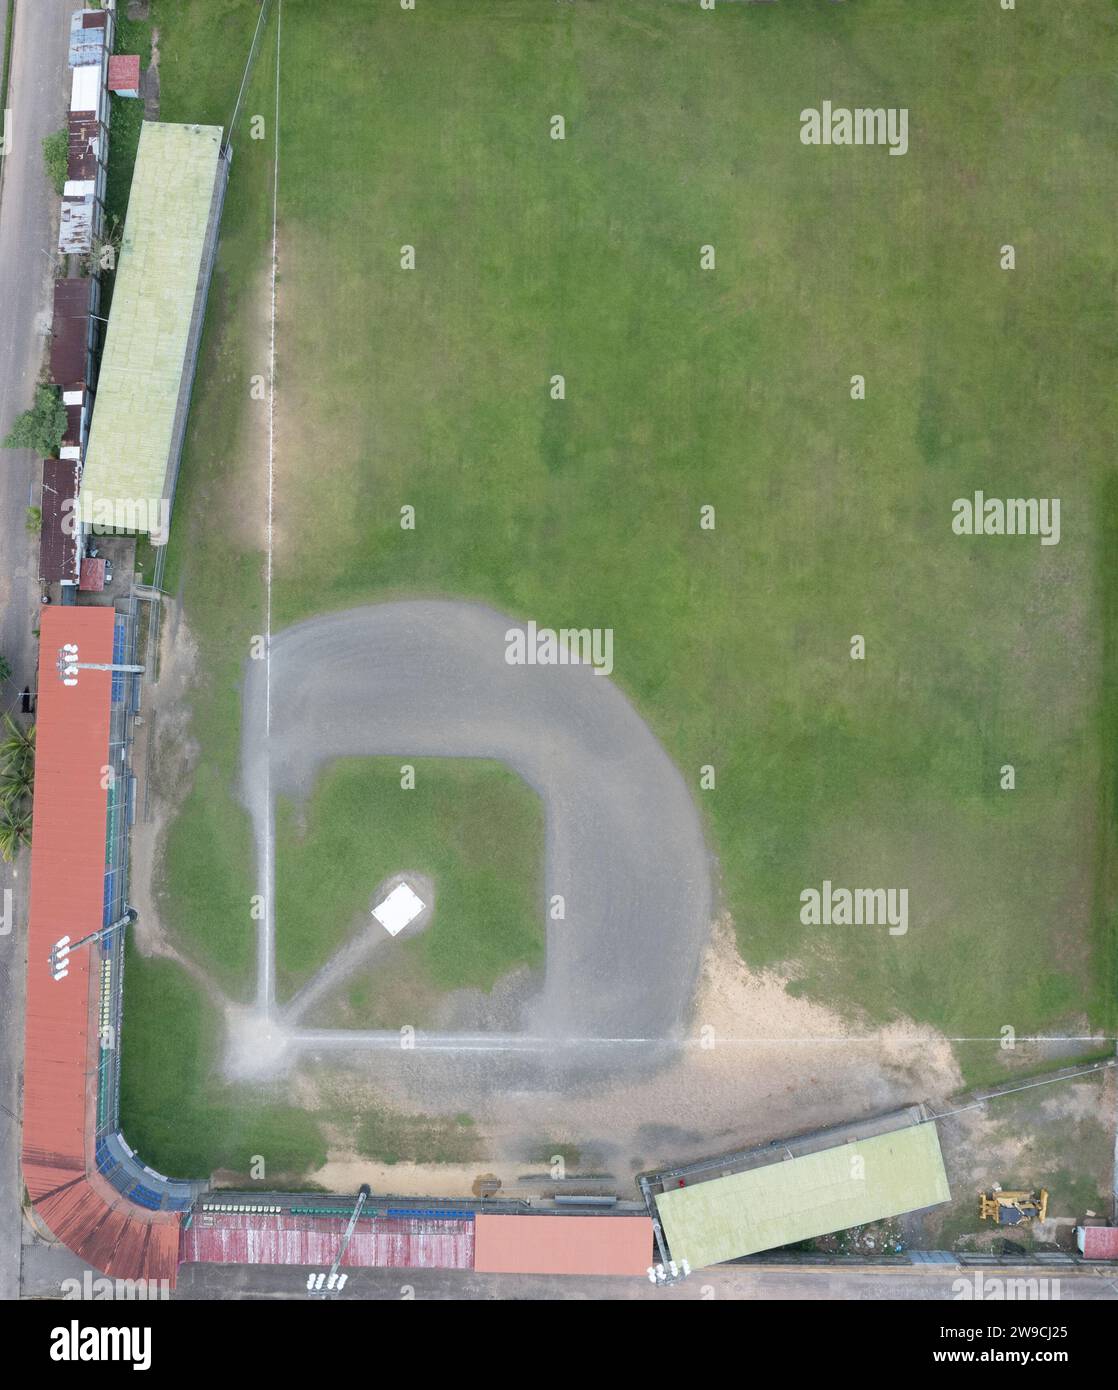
(1013,1208)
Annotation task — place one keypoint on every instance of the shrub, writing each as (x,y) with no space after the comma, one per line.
(56,154)
(43,427)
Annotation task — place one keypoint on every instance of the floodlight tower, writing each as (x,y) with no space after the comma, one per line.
(69,665)
(331,1280)
(60,951)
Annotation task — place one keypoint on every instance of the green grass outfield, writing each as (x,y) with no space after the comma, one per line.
(474,828)
(686,388)
(176,1113)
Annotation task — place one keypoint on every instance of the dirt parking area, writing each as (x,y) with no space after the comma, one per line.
(1058,1136)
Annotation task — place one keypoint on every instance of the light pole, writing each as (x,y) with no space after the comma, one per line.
(69,665)
(60,951)
(332,1280)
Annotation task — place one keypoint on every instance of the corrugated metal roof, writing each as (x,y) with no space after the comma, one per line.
(67,899)
(87,37)
(76,402)
(1100,1242)
(92,576)
(800,1198)
(58,541)
(143,368)
(75,229)
(564,1244)
(86,89)
(74,300)
(124,72)
(67,879)
(286,1239)
(87,145)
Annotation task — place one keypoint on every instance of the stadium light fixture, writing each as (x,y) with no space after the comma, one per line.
(69,665)
(334,1281)
(62,948)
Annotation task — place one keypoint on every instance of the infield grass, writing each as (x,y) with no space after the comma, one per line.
(472,827)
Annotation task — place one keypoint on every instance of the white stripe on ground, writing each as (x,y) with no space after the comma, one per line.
(266,937)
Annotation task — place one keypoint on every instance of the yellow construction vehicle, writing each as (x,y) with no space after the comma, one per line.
(1012,1208)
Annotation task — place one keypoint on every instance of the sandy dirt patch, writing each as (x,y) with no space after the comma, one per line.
(776,1066)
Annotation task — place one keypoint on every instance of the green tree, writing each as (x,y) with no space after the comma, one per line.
(18,748)
(17,779)
(43,427)
(56,154)
(16,785)
(5,668)
(15,830)
(35,520)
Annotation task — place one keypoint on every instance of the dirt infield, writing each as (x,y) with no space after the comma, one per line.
(624,844)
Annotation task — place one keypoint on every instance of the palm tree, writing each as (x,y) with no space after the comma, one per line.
(17,781)
(16,786)
(18,749)
(17,777)
(15,830)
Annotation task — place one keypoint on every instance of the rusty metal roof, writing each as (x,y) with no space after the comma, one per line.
(75,413)
(67,899)
(289,1239)
(92,576)
(1100,1242)
(74,300)
(124,72)
(75,228)
(86,145)
(88,32)
(58,541)
(562,1244)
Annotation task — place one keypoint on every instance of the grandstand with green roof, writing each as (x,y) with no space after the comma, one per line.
(155,327)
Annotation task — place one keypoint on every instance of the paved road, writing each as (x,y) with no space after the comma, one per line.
(46,1267)
(731,1282)
(28,226)
(624,844)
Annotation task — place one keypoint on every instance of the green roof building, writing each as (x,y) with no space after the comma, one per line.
(781,1203)
(159,301)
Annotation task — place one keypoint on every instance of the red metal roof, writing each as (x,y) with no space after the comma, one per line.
(124,72)
(563,1244)
(1100,1242)
(67,899)
(92,579)
(287,1239)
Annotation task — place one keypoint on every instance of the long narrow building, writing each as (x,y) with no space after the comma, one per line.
(70,884)
(155,328)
